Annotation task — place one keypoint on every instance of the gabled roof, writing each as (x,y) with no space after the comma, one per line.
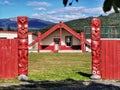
(58,26)
(54,28)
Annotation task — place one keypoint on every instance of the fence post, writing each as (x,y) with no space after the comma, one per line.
(39,40)
(82,42)
(95,46)
(22,47)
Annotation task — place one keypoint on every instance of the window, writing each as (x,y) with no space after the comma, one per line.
(68,40)
(56,40)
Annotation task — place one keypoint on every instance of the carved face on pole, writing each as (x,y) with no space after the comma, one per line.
(23,27)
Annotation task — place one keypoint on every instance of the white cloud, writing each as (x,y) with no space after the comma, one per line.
(76,10)
(68,13)
(5,2)
(37,3)
(40,9)
(35,15)
(57,18)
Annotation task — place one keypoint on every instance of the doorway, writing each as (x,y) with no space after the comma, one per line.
(56,43)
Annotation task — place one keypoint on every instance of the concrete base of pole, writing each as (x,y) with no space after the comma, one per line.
(22,77)
(95,77)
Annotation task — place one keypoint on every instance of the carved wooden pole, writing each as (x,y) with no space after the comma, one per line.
(95,46)
(60,44)
(22,47)
(39,40)
(82,42)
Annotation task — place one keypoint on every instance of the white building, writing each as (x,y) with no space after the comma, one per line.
(13,34)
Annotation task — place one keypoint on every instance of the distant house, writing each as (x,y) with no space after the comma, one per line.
(60,38)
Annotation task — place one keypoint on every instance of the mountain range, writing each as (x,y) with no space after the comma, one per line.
(32,22)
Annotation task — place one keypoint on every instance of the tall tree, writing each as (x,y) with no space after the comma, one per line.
(107,5)
(9,28)
(1,29)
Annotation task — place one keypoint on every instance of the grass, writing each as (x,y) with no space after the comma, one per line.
(58,66)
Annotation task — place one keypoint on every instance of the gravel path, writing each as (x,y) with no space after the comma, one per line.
(62,85)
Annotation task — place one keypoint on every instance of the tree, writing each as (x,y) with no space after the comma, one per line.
(70,3)
(1,29)
(9,28)
(107,5)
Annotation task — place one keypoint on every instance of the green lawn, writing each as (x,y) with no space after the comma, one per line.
(59,66)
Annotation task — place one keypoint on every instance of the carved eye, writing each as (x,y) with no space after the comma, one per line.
(98,28)
(19,26)
(26,25)
(93,29)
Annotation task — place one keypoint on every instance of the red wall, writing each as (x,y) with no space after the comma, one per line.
(110,59)
(51,47)
(8,58)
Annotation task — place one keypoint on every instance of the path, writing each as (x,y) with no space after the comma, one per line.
(63,85)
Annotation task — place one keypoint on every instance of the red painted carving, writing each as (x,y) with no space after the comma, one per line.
(95,46)
(39,40)
(22,47)
(82,42)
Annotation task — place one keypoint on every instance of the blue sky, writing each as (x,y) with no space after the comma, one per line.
(50,10)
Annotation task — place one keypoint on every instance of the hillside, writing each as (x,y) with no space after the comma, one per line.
(112,19)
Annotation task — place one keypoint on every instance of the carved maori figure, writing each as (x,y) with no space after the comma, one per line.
(95,46)
(22,48)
